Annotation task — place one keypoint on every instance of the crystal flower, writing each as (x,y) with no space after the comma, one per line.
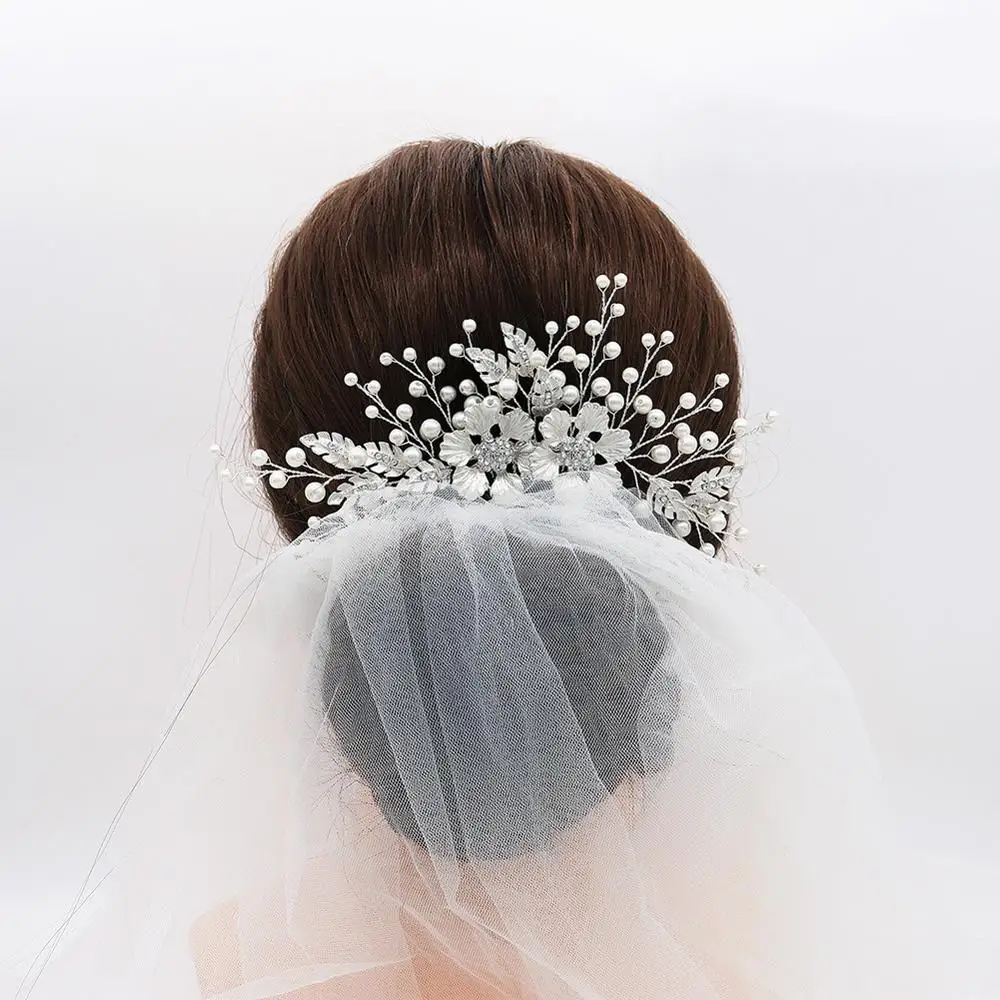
(575,443)
(484,460)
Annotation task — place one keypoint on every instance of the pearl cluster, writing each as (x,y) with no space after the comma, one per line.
(529,414)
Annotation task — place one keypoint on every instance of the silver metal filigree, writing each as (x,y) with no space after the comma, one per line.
(529,415)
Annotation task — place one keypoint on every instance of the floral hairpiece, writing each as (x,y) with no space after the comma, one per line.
(524,420)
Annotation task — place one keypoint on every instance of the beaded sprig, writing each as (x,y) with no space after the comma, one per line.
(528,415)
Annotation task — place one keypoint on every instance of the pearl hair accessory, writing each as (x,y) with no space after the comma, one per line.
(527,416)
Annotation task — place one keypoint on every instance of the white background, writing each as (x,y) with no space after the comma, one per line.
(835,164)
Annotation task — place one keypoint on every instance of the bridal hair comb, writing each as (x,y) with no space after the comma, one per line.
(526,416)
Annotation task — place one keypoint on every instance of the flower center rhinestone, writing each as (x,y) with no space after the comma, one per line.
(493,454)
(577,454)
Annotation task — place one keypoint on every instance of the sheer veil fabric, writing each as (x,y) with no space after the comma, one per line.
(715,831)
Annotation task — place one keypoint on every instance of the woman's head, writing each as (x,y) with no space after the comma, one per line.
(445,230)
(398,256)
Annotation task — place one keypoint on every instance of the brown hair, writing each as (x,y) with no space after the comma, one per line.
(444,230)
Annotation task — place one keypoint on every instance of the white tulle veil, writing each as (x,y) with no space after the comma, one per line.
(712,831)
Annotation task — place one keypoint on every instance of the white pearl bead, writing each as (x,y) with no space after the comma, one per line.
(471,401)
(648,341)
(666,337)
(715,405)
(357,457)
(417,389)
(741,534)
(506,388)
(295,457)
(249,480)
(709,440)
(385,358)
(736,455)
(430,429)
(567,353)
(681,430)
(739,425)
(612,349)
(687,400)
(558,378)
(615,402)
(656,418)
(215,449)
(397,436)
(373,387)
(572,322)
(435,366)
(603,281)
(456,350)
(350,379)
(469,325)
(600,387)
(664,367)
(683,528)
(642,509)
(409,354)
(404,411)
(371,412)
(571,396)
(448,393)
(458,421)
(538,358)
(258,457)
(722,380)
(225,473)
(466,387)
(660,454)
(412,455)
(581,361)
(717,522)
(708,548)
(315,492)
(630,376)
(620,280)
(771,416)
(617,310)
(642,404)
(313,521)
(593,327)
(687,445)
(278,479)
(552,328)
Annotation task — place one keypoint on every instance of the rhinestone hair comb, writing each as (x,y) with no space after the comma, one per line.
(528,415)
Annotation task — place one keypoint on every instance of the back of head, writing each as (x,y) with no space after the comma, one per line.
(396,257)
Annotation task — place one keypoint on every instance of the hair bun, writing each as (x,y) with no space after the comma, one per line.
(605,643)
